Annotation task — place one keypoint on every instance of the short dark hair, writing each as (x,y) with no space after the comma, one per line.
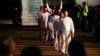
(31,51)
(5,46)
(76,48)
(84,3)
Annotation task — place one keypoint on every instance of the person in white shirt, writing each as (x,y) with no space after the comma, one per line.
(66,31)
(56,20)
(51,28)
(39,12)
(44,24)
(53,24)
(39,16)
(57,43)
(53,10)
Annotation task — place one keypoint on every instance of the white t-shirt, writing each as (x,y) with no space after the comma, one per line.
(56,20)
(44,19)
(66,24)
(51,22)
(39,13)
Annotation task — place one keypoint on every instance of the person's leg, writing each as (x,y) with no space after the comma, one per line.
(52,38)
(46,35)
(42,34)
(63,35)
(56,41)
(68,40)
(59,42)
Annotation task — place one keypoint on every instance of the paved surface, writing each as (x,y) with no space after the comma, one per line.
(26,36)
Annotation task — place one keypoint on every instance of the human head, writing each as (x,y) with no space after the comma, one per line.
(53,11)
(31,51)
(65,13)
(7,46)
(84,3)
(41,8)
(59,10)
(76,48)
(61,14)
(45,9)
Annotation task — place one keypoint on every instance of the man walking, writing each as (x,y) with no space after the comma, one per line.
(66,31)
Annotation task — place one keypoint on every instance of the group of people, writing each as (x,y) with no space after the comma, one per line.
(86,17)
(8,48)
(79,16)
(56,25)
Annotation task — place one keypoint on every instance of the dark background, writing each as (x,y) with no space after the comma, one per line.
(8,7)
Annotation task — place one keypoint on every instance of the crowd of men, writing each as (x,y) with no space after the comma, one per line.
(56,25)
(59,24)
(59,27)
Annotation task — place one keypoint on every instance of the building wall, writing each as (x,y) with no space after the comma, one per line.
(89,2)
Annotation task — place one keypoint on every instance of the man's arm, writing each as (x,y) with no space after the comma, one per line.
(47,5)
(61,5)
(72,29)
